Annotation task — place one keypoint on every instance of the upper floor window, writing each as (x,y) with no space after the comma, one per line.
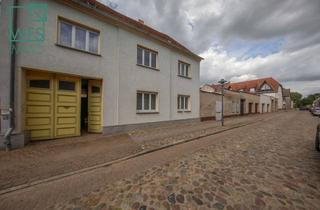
(183,69)
(265,87)
(146,57)
(146,102)
(183,103)
(78,37)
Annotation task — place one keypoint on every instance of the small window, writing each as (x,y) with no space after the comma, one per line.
(146,57)
(80,38)
(65,34)
(95,89)
(146,102)
(183,69)
(93,41)
(39,84)
(183,103)
(252,90)
(67,85)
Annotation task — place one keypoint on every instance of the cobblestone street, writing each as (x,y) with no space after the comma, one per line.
(271,164)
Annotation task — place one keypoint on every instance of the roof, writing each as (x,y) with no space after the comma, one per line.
(95,5)
(257,84)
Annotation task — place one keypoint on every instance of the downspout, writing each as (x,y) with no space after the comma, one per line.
(12,77)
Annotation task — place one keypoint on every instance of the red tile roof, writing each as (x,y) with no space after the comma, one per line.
(257,83)
(138,26)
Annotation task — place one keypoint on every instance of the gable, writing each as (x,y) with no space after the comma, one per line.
(265,87)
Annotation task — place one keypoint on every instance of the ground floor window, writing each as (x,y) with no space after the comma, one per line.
(146,101)
(183,103)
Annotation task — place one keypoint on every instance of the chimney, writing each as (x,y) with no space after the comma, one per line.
(141,21)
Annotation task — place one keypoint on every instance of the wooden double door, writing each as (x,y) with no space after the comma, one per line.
(52,105)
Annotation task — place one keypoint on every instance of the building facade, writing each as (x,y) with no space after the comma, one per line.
(96,71)
(235,103)
(266,86)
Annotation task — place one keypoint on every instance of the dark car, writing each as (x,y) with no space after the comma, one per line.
(317,143)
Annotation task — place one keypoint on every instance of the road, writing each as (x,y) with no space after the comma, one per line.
(271,164)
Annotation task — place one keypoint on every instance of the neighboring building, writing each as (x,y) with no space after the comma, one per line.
(287,103)
(267,86)
(98,71)
(235,102)
(266,103)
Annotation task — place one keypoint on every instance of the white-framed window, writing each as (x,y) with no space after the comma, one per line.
(183,69)
(147,101)
(252,90)
(146,57)
(78,37)
(183,103)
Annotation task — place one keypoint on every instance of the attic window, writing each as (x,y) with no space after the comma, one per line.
(265,87)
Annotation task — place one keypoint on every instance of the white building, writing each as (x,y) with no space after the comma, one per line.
(267,86)
(95,71)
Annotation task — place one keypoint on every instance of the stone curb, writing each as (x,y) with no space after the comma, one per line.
(57,177)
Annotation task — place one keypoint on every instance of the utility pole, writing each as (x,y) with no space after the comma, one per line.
(222,82)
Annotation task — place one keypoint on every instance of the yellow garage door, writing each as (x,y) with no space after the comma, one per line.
(39,105)
(67,106)
(94,106)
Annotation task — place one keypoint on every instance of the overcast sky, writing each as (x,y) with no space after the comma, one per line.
(241,39)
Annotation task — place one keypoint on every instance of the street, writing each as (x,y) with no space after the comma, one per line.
(270,164)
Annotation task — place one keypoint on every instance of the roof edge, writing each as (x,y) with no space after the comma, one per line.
(93,6)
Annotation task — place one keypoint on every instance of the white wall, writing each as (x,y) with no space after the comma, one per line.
(277,95)
(116,66)
(266,100)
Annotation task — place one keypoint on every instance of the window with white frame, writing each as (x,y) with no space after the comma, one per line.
(252,90)
(183,103)
(78,37)
(146,101)
(183,69)
(146,57)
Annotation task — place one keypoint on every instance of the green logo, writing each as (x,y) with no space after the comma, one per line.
(30,33)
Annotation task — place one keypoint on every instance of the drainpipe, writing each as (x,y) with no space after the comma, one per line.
(12,78)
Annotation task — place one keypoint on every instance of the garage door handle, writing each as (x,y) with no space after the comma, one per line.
(66,107)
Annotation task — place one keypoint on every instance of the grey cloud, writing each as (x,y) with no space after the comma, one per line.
(216,24)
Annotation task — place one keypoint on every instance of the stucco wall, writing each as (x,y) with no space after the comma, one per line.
(278,96)
(232,100)
(266,100)
(116,66)
(250,99)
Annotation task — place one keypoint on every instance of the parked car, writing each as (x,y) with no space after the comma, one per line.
(316,111)
(317,143)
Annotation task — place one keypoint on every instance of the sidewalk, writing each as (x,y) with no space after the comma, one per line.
(51,158)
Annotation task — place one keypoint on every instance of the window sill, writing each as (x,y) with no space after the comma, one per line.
(184,111)
(71,48)
(184,77)
(142,112)
(148,67)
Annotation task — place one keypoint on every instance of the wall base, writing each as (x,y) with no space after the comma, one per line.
(18,140)
(107,130)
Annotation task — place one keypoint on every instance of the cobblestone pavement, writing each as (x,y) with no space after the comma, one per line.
(66,155)
(269,165)
(154,137)
(46,159)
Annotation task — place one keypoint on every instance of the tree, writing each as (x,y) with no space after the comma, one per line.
(296,98)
